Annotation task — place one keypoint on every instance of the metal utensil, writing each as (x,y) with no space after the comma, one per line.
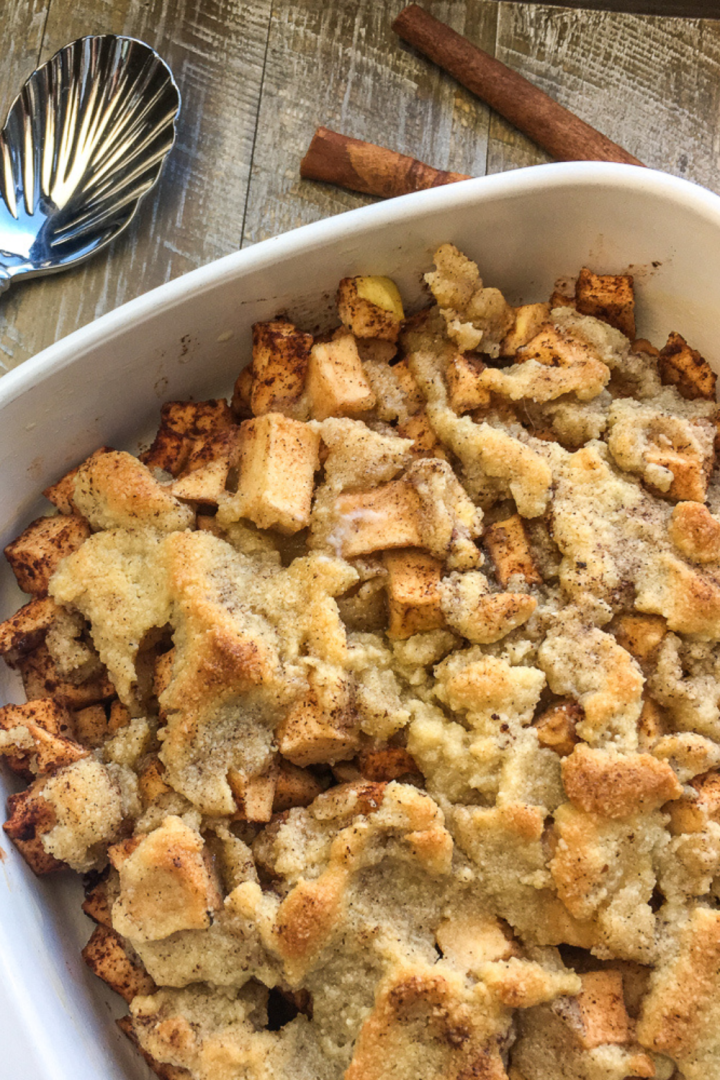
(83,142)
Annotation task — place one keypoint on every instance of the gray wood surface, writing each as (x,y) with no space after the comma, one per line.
(258,76)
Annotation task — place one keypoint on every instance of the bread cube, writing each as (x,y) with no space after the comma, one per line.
(528,320)
(425,441)
(387,763)
(694,532)
(32,738)
(651,726)
(97,903)
(386,517)
(160,1068)
(609,297)
(279,366)
(378,352)
(561,299)
(151,783)
(508,547)
(116,491)
(106,956)
(278,459)
(336,382)
(469,940)
(119,717)
(686,370)
(597,1015)
(91,726)
(242,395)
(254,795)
(61,493)
(25,629)
(321,726)
(204,476)
(413,595)
(50,716)
(41,679)
(370,307)
(35,554)
(689,470)
(555,727)
(184,424)
(31,816)
(640,635)
(463,379)
(294,787)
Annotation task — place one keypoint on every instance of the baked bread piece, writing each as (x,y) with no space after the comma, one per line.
(383,705)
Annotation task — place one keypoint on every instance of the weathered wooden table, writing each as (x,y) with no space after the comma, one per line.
(258,76)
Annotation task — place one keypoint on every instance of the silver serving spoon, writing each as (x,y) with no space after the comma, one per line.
(83,142)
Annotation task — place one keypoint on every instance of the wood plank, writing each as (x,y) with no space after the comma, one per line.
(21,32)
(650,84)
(341,66)
(216,52)
(688,9)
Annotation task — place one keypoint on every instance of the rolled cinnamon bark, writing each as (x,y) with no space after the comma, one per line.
(372,170)
(556,129)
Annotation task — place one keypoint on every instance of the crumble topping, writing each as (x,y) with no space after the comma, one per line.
(383,703)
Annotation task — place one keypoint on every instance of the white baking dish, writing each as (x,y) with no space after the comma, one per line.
(105,384)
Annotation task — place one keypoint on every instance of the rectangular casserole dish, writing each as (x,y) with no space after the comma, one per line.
(188,339)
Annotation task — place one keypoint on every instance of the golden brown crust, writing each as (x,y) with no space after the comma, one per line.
(166,884)
(695,532)
(419,1016)
(617,785)
(673,1017)
(115,490)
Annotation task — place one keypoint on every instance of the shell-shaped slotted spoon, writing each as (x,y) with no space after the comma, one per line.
(83,142)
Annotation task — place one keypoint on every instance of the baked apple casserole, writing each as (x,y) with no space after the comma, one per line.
(380,707)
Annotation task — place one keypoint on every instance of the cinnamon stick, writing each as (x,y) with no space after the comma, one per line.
(565,136)
(372,170)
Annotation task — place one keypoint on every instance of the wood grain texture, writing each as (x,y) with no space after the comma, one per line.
(258,77)
(216,50)
(341,66)
(689,9)
(652,85)
(522,103)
